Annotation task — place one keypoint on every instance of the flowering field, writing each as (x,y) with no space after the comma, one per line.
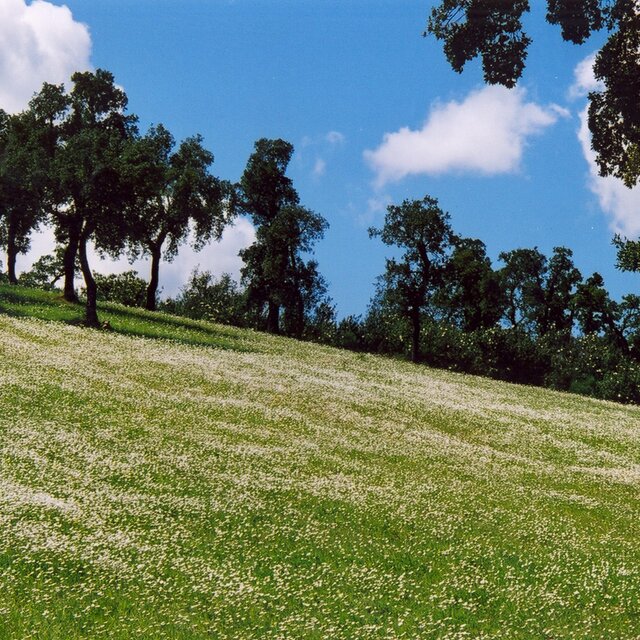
(266,488)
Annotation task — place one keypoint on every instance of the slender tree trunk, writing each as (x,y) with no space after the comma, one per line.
(12,251)
(152,288)
(89,282)
(273,318)
(415,335)
(69,263)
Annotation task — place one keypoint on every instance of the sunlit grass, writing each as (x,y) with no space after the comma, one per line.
(219,483)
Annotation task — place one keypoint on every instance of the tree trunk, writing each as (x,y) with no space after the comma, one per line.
(273,318)
(12,251)
(89,282)
(152,288)
(415,336)
(69,263)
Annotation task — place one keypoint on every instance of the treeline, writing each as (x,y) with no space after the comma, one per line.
(77,161)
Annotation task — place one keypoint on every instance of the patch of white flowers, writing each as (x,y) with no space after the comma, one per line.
(156,490)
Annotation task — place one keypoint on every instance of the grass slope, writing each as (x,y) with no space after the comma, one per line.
(228,484)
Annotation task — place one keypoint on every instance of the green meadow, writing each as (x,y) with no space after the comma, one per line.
(178,479)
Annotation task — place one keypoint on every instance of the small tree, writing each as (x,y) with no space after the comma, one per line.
(46,271)
(125,288)
(422,230)
(206,298)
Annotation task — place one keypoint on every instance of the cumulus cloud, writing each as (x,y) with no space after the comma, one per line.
(38,42)
(620,203)
(584,78)
(486,133)
(319,167)
(217,257)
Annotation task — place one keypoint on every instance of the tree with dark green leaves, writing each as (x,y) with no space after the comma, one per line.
(597,314)
(276,274)
(91,189)
(46,271)
(421,229)
(206,297)
(538,291)
(493,30)
(628,253)
(522,281)
(174,193)
(22,182)
(471,295)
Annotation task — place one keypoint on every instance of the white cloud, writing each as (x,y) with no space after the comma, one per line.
(38,42)
(217,257)
(584,78)
(620,203)
(486,133)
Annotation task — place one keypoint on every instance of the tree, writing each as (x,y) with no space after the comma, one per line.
(598,315)
(173,191)
(124,288)
(555,314)
(492,29)
(628,253)
(46,271)
(206,298)
(21,186)
(472,293)
(521,280)
(275,273)
(90,178)
(539,291)
(422,230)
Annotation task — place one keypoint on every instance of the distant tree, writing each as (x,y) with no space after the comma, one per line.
(562,277)
(629,323)
(322,324)
(173,193)
(46,271)
(350,334)
(275,272)
(493,30)
(539,291)
(125,288)
(21,186)
(205,297)
(597,314)
(422,230)
(522,281)
(471,294)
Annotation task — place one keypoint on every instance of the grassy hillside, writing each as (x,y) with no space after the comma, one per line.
(228,484)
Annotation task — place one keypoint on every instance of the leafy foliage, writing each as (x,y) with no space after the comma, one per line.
(278,278)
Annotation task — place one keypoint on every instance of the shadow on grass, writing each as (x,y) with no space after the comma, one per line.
(20,302)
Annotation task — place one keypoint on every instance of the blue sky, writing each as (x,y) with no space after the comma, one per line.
(375,113)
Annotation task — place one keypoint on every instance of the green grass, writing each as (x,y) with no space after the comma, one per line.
(178,479)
